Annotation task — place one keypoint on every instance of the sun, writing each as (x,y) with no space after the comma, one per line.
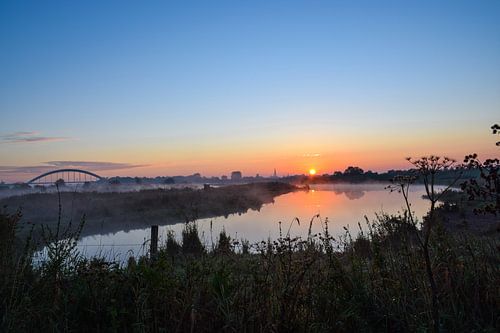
(312,172)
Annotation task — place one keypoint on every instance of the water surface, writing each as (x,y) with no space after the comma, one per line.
(343,205)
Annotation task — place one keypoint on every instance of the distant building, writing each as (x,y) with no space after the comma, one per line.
(224,177)
(236,175)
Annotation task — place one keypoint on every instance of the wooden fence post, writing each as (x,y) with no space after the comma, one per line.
(153,250)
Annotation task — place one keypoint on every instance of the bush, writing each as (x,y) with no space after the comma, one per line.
(191,243)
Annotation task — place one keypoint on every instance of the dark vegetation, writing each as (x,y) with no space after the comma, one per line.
(351,175)
(354,174)
(376,282)
(397,275)
(458,212)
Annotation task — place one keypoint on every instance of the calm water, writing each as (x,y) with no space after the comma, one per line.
(343,205)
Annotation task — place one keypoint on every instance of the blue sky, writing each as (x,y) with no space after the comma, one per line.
(200,86)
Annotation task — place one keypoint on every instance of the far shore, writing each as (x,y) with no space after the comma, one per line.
(109,212)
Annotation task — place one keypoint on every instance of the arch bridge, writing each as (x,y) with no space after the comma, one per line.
(70,176)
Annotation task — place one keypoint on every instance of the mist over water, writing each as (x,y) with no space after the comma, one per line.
(101,188)
(343,204)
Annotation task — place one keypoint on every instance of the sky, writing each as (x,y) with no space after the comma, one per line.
(156,88)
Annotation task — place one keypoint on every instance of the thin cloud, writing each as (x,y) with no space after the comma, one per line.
(11,170)
(33,170)
(29,137)
(311,155)
(92,165)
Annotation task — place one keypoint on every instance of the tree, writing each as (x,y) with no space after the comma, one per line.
(486,189)
(426,168)
(496,130)
(353,171)
(169,180)
(60,182)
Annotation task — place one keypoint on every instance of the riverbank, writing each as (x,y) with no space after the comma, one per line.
(115,211)
(458,213)
(376,282)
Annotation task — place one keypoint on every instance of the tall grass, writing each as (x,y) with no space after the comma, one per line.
(376,281)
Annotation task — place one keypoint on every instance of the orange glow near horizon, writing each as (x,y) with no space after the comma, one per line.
(312,172)
(287,158)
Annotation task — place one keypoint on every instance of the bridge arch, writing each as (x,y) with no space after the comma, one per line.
(75,171)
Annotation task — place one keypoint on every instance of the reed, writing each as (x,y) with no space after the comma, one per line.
(375,281)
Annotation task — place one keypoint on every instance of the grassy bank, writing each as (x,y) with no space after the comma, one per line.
(114,211)
(377,282)
(458,213)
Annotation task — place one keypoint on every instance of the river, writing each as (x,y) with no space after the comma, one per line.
(343,205)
